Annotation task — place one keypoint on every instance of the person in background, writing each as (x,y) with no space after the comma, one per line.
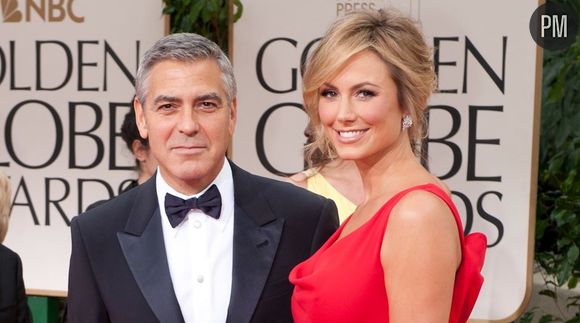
(202,240)
(402,255)
(13,303)
(145,162)
(139,146)
(331,177)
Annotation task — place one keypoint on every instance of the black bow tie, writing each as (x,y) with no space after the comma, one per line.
(209,203)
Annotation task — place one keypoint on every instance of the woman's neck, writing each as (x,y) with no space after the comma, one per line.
(386,171)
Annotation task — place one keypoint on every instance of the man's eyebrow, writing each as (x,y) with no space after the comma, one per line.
(209,96)
(165,98)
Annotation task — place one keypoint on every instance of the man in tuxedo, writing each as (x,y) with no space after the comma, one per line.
(202,240)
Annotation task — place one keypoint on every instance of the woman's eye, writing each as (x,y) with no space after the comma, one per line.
(365,94)
(328,93)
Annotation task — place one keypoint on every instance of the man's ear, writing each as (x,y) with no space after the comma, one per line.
(140,118)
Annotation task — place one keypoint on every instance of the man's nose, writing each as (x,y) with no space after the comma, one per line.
(188,121)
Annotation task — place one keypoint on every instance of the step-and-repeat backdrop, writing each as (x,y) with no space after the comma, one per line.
(66,71)
(482,138)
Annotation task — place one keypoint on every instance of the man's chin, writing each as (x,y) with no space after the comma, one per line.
(196,171)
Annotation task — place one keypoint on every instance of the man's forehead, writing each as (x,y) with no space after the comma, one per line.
(164,63)
(171,75)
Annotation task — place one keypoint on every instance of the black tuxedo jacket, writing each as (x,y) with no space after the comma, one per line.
(119,272)
(13,304)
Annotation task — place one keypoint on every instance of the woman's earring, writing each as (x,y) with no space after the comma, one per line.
(407,122)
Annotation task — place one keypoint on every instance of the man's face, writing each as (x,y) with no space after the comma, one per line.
(188,122)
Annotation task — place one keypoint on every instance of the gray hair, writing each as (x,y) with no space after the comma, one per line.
(184,47)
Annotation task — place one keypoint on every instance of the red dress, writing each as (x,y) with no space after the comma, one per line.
(344,281)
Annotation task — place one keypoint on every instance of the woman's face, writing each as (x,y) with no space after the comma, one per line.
(359,109)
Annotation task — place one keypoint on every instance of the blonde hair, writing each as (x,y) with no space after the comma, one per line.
(5,194)
(396,39)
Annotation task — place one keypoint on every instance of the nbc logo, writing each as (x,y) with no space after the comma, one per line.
(10,11)
(45,10)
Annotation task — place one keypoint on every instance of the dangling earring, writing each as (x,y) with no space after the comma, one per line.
(407,122)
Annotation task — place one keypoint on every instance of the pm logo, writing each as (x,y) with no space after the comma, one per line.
(554,26)
(45,10)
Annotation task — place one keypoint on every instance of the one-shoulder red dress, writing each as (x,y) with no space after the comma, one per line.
(344,280)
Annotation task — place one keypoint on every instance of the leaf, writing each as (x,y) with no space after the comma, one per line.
(556,91)
(527,317)
(168,10)
(548,292)
(570,180)
(212,7)
(555,163)
(551,71)
(560,216)
(576,319)
(239,9)
(546,318)
(564,272)
(196,9)
(562,133)
(223,17)
(573,254)
(563,242)
(541,226)
(573,301)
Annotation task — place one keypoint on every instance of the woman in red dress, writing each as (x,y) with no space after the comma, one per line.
(401,256)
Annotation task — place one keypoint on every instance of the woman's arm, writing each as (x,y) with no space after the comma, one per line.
(420,254)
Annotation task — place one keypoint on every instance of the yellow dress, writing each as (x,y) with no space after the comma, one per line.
(316,183)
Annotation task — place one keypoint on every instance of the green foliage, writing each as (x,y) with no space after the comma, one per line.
(558,209)
(558,222)
(208,18)
(529,316)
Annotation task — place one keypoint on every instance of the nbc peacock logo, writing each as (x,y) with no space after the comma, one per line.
(10,12)
(50,11)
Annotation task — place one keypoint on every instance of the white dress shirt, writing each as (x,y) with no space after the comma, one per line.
(200,252)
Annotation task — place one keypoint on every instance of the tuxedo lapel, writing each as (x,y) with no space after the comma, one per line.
(254,251)
(144,249)
(257,233)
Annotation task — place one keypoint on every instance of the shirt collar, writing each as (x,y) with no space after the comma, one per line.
(224,182)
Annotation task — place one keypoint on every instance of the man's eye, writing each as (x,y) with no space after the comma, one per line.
(167,106)
(207,105)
